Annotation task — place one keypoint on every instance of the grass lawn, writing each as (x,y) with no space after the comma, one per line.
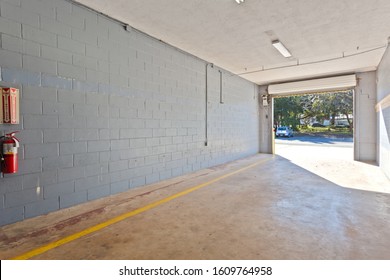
(325,130)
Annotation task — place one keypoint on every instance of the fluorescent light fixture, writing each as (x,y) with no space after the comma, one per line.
(240,1)
(281,48)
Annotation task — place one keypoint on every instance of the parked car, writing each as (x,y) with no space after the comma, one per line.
(342,126)
(318,125)
(284,131)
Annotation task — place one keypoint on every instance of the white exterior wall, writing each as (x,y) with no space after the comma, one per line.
(365,130)
(383,114)
(104,110)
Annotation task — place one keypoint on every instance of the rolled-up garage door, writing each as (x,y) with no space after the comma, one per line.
(314,86)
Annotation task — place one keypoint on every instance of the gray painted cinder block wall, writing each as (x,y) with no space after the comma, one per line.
(383,113)
(104,110)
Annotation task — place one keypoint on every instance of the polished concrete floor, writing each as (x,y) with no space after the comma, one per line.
(274,209)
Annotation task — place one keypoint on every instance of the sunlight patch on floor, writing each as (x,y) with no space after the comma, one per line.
(336,164)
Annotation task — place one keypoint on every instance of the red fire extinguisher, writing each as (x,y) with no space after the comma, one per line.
(9,153)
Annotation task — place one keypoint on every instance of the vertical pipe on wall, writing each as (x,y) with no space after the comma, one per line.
(220,87)
(206,105)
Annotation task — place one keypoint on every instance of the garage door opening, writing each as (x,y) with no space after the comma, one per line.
(326,129)
(314,112)
(322,139)
(315,131)
(314,119)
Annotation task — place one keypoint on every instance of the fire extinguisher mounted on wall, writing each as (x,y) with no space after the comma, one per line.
(9,153)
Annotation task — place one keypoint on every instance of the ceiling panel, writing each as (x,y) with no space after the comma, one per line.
(238,37)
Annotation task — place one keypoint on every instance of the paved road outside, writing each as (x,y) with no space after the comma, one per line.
(339,141)
(332,159)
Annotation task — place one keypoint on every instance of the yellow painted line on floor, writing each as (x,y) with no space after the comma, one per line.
(122,217)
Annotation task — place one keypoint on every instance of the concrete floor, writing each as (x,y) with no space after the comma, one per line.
(273,210)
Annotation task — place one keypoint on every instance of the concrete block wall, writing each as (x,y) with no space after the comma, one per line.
(267,136)
(383,113)
(104,110)
(365,132)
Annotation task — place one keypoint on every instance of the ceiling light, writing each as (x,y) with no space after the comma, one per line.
(281,48)
(240,1)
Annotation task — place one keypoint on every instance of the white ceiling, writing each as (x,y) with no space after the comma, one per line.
(325,37)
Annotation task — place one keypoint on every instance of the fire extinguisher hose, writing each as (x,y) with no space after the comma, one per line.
(2,163)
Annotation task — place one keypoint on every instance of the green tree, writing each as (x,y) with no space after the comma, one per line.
(287,111)
(296,109)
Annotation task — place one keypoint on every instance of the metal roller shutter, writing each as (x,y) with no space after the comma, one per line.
(315,85)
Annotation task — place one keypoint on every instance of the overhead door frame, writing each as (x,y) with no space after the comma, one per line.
(331,84)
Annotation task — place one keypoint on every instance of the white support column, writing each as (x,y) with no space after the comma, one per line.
(266,129)
(365,128)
